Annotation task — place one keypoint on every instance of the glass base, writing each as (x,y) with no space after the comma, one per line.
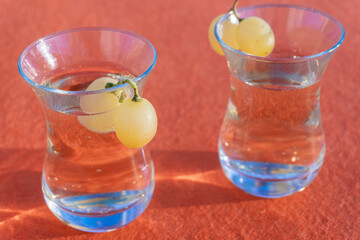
(269,180)
(99,212)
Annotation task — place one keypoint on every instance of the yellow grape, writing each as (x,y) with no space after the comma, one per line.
(100,106)
(135,123)
(100,123)
(255,36)
(101,102)
(212,39)
(228,33)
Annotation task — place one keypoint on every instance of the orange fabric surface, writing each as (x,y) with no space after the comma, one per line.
(189,87)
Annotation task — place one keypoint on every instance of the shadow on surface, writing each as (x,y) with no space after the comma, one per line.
(183,178)
(20,178)
(189,178)
(23,211)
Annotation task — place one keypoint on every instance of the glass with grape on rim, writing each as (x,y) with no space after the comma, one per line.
(271,142)
(98,174)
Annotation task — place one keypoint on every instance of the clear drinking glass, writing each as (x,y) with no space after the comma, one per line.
(90,180)
(271,142)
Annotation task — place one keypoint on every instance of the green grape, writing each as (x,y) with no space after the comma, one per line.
(135,122)
(101,106)
(255,36)
(228,33)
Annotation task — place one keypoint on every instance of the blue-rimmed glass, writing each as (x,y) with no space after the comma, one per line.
(272,142)
(90,180)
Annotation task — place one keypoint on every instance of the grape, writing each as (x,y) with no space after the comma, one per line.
(212,39)
(135,122)
(100,102)
(100,106)
(228,33)
(100,123)
(255,36)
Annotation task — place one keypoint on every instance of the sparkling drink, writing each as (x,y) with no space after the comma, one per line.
(272,132)
(91,181)
(88,172)
(271,142)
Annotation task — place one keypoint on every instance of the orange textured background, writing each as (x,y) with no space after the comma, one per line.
(189,87)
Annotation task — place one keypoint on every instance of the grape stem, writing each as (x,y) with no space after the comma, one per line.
(233,9)
(136,97)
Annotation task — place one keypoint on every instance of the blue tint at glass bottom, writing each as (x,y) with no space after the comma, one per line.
(269,180)
(98,213)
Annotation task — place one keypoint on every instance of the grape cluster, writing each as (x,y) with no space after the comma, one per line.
(251,35)
(134,120)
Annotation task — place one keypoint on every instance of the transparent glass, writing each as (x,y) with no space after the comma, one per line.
(90,180)
(272,142)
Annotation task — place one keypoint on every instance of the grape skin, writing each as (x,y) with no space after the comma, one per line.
(100,106)
(229,26)
(255,36)
(251,35)
(135,123)
(100,102)
(212,39)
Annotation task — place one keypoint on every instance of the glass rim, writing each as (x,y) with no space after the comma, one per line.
(272,59)
(83,29)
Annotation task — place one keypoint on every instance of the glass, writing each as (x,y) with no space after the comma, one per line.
(90,180)
(272,142)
